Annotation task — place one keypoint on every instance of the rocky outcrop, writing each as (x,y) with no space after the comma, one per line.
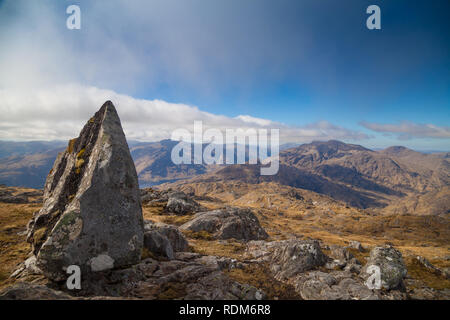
(391,266)
(29,291)
(189,276)
(317,285)
(28,267)
(180,204)
(150,196)
(163,240)
(175,237)
(356,245)
(92,215)
(228,223)
(174,202)
(342,258)
(288,258)
(301,263)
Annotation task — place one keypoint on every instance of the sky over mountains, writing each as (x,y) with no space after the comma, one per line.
(311,69)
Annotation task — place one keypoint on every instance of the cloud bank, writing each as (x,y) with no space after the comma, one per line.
(408,130)
(59,112)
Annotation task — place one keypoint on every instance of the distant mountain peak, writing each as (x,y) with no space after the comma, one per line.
(398,151)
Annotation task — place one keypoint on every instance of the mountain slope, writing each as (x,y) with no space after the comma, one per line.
(356,175)
(154,164)
(27,170)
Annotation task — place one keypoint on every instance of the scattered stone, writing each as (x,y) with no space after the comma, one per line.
(446,272)
(92,215)
(356,245)
(175,237)
(240,224)
(28,267)
(425,293)
(288,258)
(163,239)
(179,203)
(222,263)
(318,285)
(158,244)
(190,276)
(353,266)
(340,253)
(390,262)
(427,264)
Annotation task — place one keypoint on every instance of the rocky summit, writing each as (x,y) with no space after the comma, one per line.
(92,214)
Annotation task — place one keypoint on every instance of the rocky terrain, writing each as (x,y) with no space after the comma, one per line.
(227,235)
(258,258)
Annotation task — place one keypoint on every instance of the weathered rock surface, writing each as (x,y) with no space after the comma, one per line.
(390,262)
(28,267)
(427,264)
(175,237)
(29,291)
(158,244)
(288,258)
(426,293)
(317,285)
(227,223)
(188,276)
(92,215)
(296,262)
(179,203)
(163,239)
(356,245)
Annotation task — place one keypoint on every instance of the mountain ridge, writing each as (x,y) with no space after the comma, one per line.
(359,176)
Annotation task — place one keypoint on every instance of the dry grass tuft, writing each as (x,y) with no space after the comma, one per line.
(13,247)
(419,272)
(259,276)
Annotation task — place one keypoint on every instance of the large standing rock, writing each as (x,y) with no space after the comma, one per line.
(92,214)
(227,223)
(390,262)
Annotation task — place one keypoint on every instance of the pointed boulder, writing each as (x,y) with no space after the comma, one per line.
(92,214)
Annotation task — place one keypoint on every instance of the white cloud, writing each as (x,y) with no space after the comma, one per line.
(408,130)
(258,121)
(59,112)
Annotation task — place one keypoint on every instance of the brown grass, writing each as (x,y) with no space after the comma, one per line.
(229,248)
(259,276)
(13,248)
(419,272)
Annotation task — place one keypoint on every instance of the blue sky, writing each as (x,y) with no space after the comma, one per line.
(293,62)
